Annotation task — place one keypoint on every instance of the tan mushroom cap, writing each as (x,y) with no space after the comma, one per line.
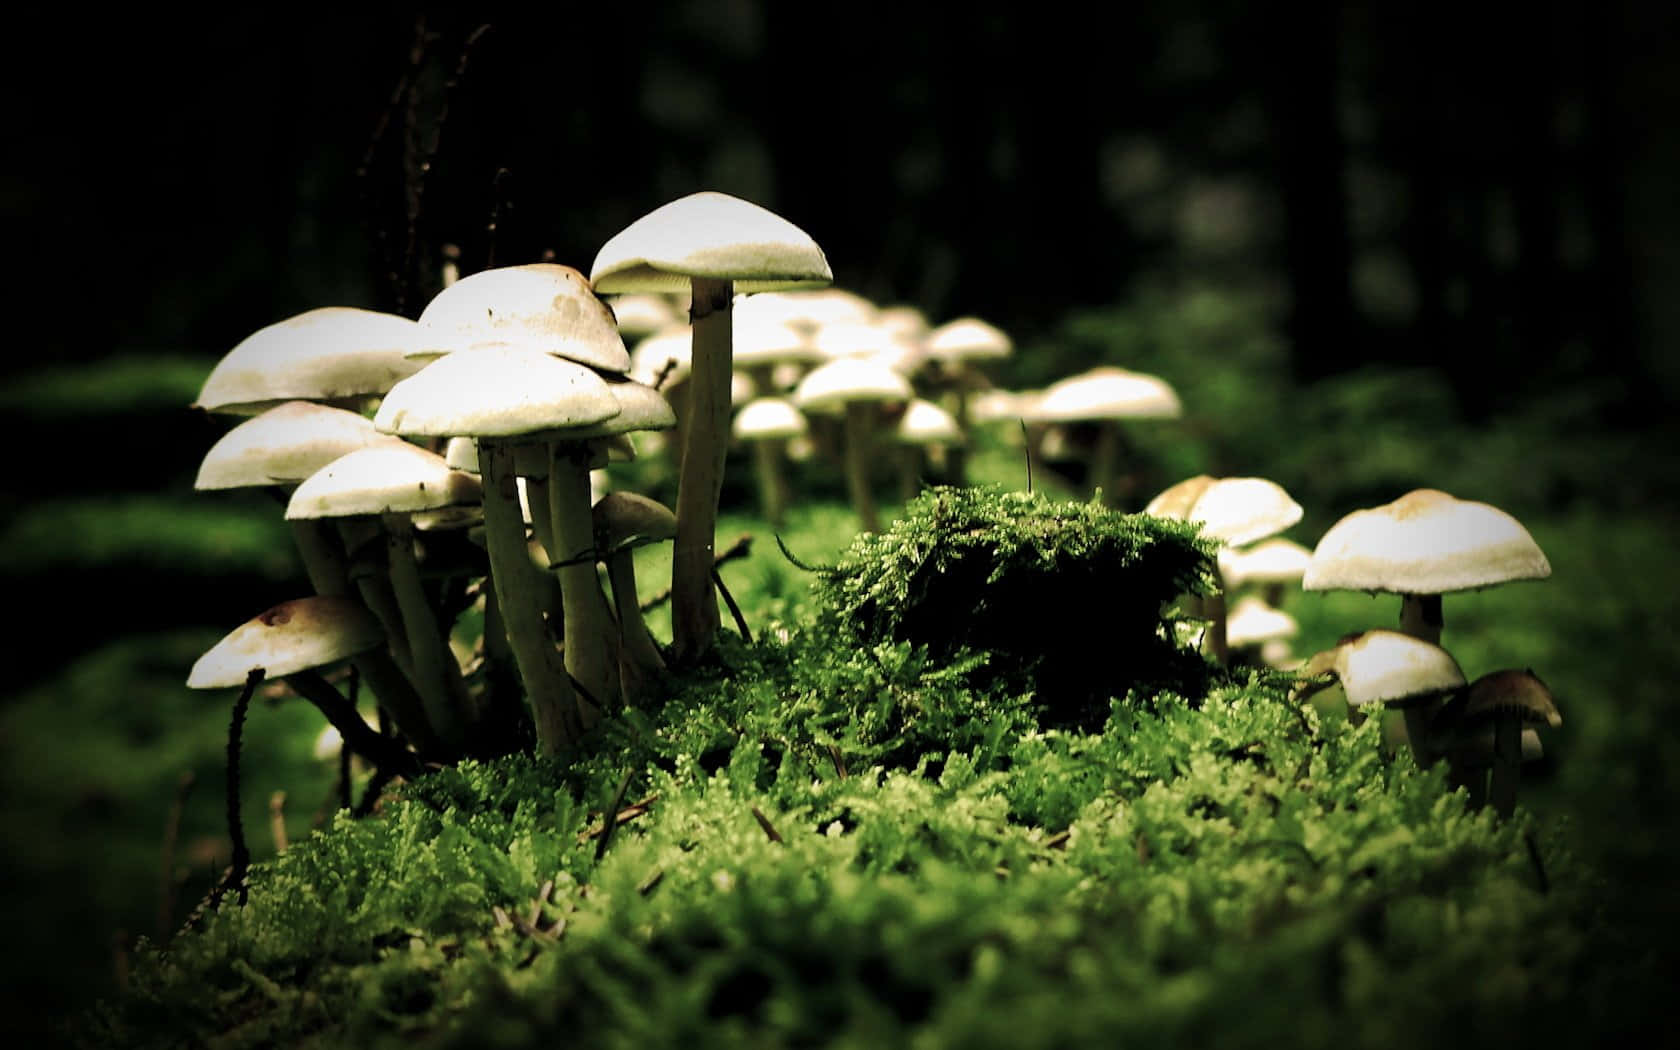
(397,478)
(325,354)
(625,519)
(968,339)
(1235,510)
(1269,561)
(496,392)
(1106,393)
(540,306)
(1425,542)
(769,419)
(1388,667)
(285,444)
(1518,691)
(1251,622)
(829,387)
(710,235)
(925,423)
(293,636)
(764,342)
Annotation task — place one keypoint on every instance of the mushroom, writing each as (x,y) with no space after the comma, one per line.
(1421,546)
(923,425)
(1395,670)
(1104,397)
(1503,701)
(333,353)
(767,424)
(956,348)
(855,386)
(390,482)
(293,640)
(1234,511)
(714,245)
(624,521)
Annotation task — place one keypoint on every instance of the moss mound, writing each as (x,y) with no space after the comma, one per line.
(879,838)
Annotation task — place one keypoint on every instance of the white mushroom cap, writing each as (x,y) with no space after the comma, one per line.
(1235,510)
(806,310)
(925,423)
(829,387)
(1425,542)
(769,418)
(709,235)
(1251,621)
(968,339)
(668,352)
(323,354)
(284,445)
(293,636)
(1270,561)
(904,321)
(1380,666)
(626,519)
(1106,393)
(496,392)
(539,306)
(396,478)
(763,342)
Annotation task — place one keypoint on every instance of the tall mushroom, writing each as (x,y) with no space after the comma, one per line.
(1104,397)
(856,387)
(714,245)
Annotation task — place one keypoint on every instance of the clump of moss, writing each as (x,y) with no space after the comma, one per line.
(1067,598)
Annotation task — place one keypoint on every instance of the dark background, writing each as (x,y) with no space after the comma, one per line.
(1480,190)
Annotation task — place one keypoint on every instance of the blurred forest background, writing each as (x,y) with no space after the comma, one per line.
(1374,245)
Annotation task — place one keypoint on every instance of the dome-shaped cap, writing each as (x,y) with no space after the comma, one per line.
(1251,621)
(293,636)
(395,478)
(496,392)
(539,306)
(1518,691)
(925,423)
(709,235)
(284,445)
(769,418)
(968,339)
(325,354)
(1388,667)
(1235,510)
(806,310)
(1425,542)
(1106,393)
(1269,561)
(625,519)
(829,387)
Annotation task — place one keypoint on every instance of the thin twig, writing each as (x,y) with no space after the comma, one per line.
(623,816)
(171,841)
(236,827)
(734,609)
(611,822)
(770,831)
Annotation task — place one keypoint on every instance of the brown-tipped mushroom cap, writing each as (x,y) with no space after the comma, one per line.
(325,354)
(397,478)
(539,306)
(1392,668)
(1511,691)
(624,520)
(284,445)
(293,636)
(709,235)
(1425,542)
(1235,510)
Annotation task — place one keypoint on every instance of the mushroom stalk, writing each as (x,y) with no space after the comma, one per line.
(1420,617)
(383,751)
(554,705)
(772,485)
(1507,763)
(437,676)
(1213,607)
(591,635)
(860,419)
(641,668)
(1105,463)
(694,612)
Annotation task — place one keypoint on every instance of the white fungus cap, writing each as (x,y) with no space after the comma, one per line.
(293,636)
(284,445)
(925,423)
(1425,542)
(1270,561)
(1106,393)
(710,235)
(769,418)
(539,306)
(397,478)
(829,387)
(1381,666)
(1234,510)
(806,310)
(329,353)
(667,353)
(968,339)
(1251,622)
(496,392)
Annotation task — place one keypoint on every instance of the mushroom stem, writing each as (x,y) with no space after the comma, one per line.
(694,612)
(1420,617)
(1105,463)
(591,635)
(641,668)
(1213,607)
(860,418)
(324,560)
(554,705)
(1507,763)
(772,485)
(437,676)
(910,459)
(383,751)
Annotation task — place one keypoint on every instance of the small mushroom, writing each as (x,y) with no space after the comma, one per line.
(1506,700)
(624,521)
